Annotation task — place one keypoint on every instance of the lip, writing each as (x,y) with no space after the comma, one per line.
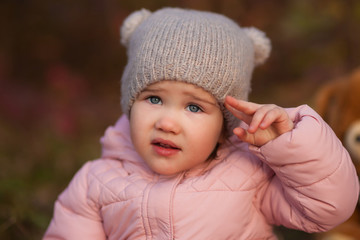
(164,147)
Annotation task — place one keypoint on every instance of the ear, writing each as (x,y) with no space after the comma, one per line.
(224,135)
(352,141)
(325,100)
(131,23)
(262,44)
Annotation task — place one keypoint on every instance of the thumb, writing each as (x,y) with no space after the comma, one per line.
(244,135)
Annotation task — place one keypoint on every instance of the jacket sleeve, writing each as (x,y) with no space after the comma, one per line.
(75,215)
(315,186)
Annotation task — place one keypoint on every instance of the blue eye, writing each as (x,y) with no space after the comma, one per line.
(154,100)
(194,108)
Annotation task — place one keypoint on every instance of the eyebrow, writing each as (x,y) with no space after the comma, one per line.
(197,98)
(201,99)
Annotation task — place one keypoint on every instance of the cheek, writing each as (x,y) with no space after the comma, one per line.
(207,133)
(136,125)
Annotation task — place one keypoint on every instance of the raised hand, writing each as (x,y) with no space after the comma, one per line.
(266,122)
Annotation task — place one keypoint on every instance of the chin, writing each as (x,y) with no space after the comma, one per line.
(164,171)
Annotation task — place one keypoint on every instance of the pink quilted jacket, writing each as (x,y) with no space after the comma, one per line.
(304,179)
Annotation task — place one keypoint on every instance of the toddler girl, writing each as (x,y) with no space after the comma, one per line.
(191,158)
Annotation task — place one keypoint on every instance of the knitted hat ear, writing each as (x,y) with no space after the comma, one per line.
(262,44)
(131,23)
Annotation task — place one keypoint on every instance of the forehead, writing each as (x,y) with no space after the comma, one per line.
(177,87)
(167,85)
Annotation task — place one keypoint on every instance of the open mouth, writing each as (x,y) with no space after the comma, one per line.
(165,148)
(165,144)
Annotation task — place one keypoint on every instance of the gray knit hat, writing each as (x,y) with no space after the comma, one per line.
(202,48)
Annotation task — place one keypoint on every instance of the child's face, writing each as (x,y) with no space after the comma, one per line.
(175,126)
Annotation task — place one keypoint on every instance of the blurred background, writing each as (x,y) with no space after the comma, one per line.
(60,66)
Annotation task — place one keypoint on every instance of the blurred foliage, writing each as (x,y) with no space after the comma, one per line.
(60,65)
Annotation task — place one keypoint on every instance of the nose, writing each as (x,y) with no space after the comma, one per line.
(168,123)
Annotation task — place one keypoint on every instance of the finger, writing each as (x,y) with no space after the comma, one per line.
(262,118)
(240,115)
(241,109)
(279,118)
(240,133)
(275,115)
(248,108)
(244,136)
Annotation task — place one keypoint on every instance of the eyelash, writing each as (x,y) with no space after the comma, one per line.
(199,109)
(151,98)
(157,100)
